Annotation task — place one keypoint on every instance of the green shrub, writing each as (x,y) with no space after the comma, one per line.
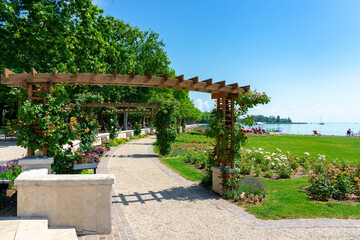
(86,172)
(336,183)
(64,161)
(137,128)
(11,173)
(206,180)
(284,172)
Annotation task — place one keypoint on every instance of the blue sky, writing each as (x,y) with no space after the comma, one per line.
(304,54)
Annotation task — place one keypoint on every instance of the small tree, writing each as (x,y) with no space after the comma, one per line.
(165,125)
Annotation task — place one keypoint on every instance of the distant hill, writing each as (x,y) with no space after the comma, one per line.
(271,119)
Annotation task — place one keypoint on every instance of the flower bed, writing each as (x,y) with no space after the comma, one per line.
(244,189)
(10,170)
(281,165)
(338,183)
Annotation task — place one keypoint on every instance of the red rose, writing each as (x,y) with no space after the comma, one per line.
(51,125)
(69,127)
(243,166)
(39,131)
(87,154)
(245,137)
(228,176)
(243,104)
(74,124)
(244,174)
(47,115)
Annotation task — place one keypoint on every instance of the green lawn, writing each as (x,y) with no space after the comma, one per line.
(285,198)
(332,147)
(186,170)
(288,199)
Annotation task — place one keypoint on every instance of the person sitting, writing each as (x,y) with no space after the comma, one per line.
(348,133)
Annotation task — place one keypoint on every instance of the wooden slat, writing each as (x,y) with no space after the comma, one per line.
(195,79)
(115,74)
(122,80)
(7,73)
(33,72)
(110,104)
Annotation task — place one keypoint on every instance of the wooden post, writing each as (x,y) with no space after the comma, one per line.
(226,105)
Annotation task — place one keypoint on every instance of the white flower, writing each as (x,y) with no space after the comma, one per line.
(276,159)
(278,150)
(272,163)
(273,154)
(260,149)
(306,153)
(287,152)
(261,152)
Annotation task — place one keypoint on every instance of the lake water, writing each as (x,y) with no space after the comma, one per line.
(336,129)
(329,128)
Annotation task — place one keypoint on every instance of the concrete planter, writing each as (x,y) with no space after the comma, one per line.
(216,179)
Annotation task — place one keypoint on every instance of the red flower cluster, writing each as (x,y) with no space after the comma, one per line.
(51,125)
(228,176)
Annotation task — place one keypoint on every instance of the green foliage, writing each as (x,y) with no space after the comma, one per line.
(337,149)
(137,128)
(287,199)
(64,161)
(335,183)
(186,170)
(113,126)
(199,159)
(205,117)
(11,174)
(48,126)
(218,130)
(116,142)
(271,119)
(86,172)
(243,188)
(164,123)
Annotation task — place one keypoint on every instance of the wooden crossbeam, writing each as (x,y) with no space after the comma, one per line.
(96,78)
(112,104)
(129,111)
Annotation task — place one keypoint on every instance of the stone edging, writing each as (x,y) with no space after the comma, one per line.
(244,216)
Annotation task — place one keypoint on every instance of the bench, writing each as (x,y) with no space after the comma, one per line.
(128,135)
(78,167)
(4,184)
(7,134)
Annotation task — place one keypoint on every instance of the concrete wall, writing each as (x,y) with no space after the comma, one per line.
(81,201)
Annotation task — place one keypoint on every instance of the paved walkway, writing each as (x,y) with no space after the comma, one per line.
(9,151)
(152,202)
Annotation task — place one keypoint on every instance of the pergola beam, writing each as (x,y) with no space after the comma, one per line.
(129,111)
(112,104)
(16,80)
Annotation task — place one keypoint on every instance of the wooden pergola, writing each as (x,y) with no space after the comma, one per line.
(127,105)
(225,95)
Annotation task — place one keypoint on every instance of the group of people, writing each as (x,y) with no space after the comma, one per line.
(257,130)
(349,133)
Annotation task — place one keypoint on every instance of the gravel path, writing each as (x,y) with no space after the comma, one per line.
(9,151)
(157,205)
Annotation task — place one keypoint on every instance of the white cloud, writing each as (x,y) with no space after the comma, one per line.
(293,106)
(317,105)
(204,105)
